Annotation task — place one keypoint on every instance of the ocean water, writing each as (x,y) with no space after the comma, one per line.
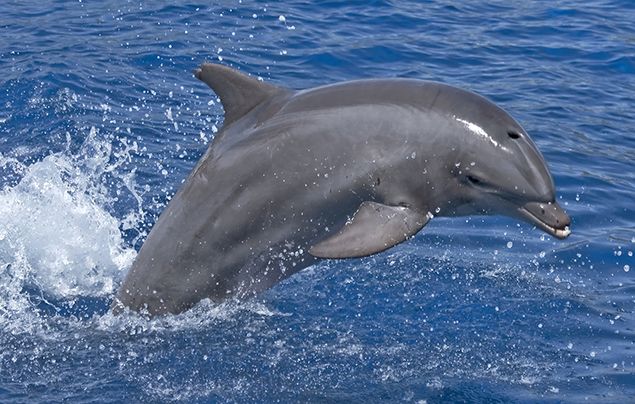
(101,120)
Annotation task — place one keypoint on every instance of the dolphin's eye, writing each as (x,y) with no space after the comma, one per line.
(473,180)
(513,135)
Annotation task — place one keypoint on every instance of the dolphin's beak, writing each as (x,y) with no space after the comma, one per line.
(548,216)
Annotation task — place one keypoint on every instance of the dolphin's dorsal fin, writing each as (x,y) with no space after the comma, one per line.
(238,92)
(374,228)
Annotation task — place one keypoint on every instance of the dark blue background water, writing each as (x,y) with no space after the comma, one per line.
(101,120)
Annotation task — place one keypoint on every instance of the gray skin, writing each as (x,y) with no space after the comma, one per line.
(339,171)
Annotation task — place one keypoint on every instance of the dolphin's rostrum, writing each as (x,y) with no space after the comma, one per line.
(339,171)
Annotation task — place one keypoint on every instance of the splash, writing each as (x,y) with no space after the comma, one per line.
(58,239)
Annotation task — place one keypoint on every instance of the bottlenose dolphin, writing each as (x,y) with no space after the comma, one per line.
(338,171)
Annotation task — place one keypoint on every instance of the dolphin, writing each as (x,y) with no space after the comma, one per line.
(339,171)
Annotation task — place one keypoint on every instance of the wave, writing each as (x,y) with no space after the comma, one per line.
(59,241)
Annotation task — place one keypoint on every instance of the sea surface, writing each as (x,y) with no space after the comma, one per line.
(101,120)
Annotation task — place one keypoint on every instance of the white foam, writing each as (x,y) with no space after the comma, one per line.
(56,234)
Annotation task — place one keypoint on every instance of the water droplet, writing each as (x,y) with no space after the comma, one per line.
(510,244)
(627,268)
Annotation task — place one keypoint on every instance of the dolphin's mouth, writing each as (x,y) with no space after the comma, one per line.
(548,216)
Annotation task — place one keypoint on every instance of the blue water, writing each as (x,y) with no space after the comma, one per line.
(101,121)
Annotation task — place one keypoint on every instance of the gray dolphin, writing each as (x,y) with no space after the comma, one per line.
(338,171)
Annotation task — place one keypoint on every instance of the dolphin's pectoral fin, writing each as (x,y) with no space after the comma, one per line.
(374,228)
(238,92)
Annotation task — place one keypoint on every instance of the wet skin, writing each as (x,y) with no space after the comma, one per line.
(339,171)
